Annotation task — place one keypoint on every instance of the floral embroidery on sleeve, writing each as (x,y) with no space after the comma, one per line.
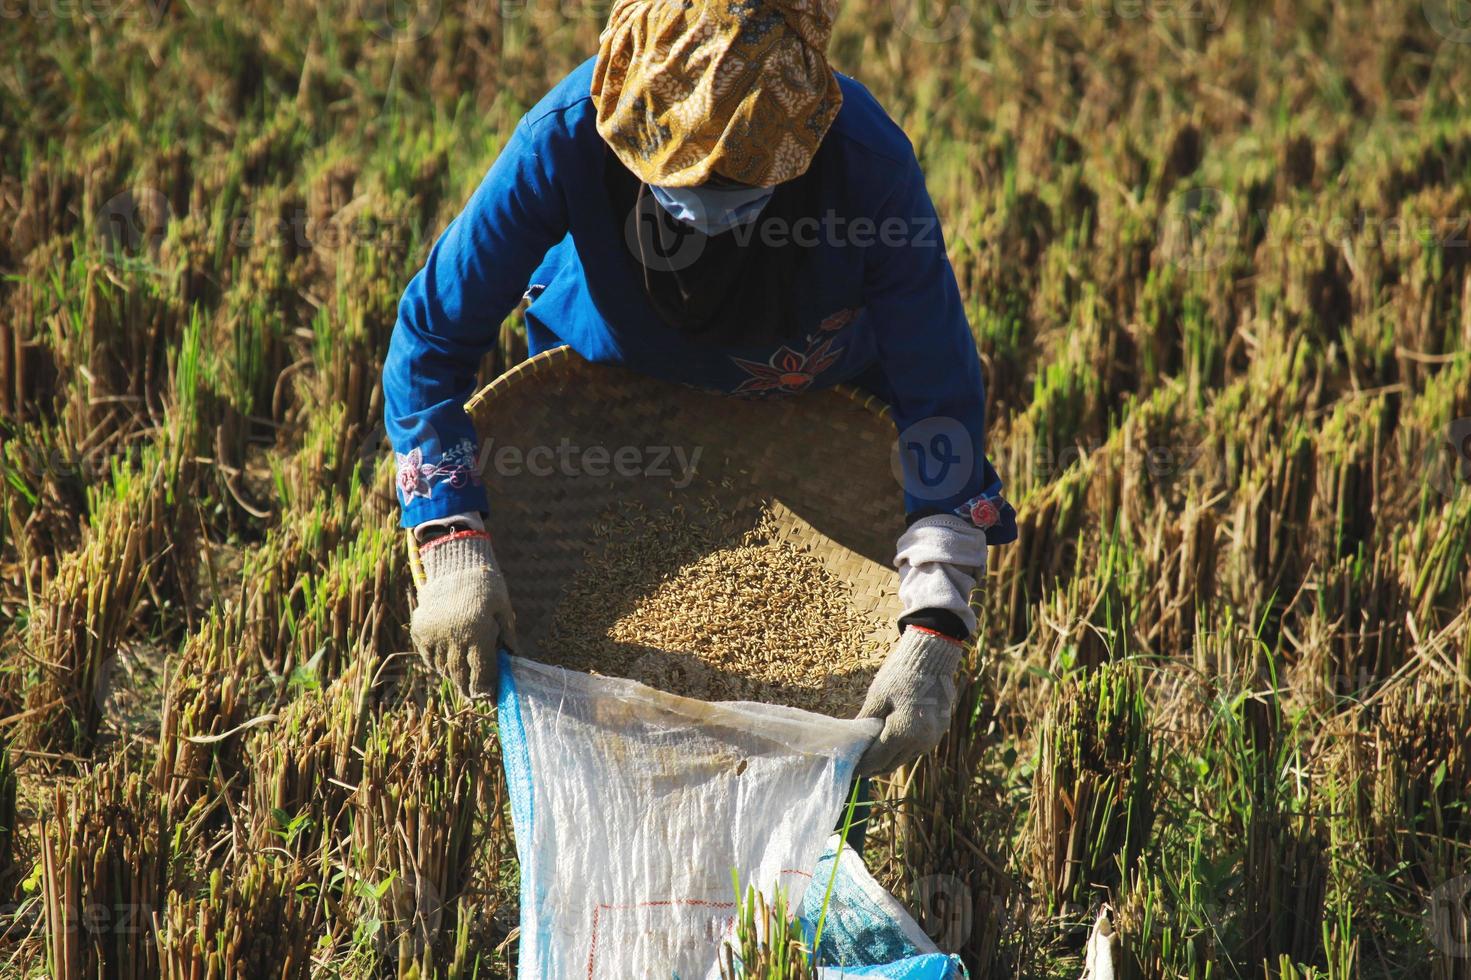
(456,467)
(411,479)
(983,511)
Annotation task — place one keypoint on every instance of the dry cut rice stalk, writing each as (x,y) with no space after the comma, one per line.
(714,606)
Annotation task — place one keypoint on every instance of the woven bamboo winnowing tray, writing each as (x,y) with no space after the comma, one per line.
(821,461)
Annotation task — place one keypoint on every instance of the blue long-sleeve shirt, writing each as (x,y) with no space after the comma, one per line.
(879,308)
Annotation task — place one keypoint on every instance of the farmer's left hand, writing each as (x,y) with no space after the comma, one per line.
(463,616)
(914,693)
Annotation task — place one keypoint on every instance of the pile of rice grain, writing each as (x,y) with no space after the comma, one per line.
(692,604)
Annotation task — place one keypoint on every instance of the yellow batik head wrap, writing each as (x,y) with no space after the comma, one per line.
(690,89)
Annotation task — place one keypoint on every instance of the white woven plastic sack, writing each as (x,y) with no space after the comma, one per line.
(632,807)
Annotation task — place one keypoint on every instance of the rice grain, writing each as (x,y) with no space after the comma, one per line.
(715,606)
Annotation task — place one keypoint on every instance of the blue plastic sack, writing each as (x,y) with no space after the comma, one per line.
(866,932)
(935,966)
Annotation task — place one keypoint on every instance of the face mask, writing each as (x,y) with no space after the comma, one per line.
(711,210)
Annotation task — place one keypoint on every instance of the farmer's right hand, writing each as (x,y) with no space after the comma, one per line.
(914,693)
(463,616)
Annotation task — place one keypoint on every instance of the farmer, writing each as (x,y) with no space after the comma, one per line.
(707,202)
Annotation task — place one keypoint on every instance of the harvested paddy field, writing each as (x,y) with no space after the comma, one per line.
(1215,258)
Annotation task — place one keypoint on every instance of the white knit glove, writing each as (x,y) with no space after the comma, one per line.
(914,693)
(939,559)
(463,616)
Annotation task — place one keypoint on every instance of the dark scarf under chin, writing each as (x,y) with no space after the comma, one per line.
(726,290)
